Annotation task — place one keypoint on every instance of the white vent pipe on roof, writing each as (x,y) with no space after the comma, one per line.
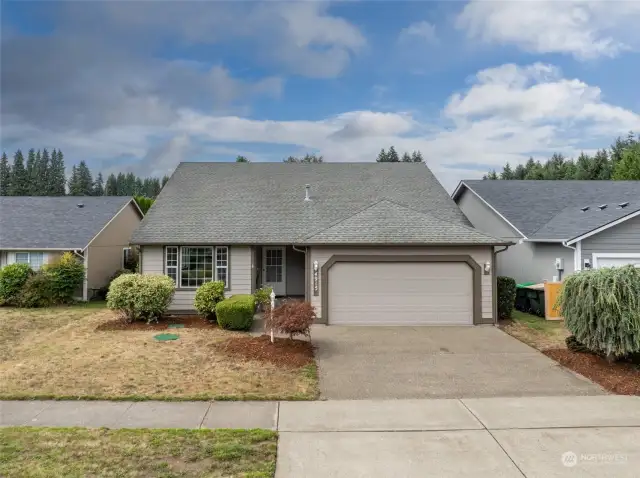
(307,187)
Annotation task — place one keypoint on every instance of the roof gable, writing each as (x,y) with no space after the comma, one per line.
(386,222)
(551,209)
(255,203)
(41,222)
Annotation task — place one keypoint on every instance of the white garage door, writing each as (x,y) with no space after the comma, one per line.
(400,293)
(616,260)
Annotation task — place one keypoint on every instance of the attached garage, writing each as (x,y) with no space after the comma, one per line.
(401,290)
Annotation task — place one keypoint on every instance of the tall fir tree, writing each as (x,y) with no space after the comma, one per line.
(44,171)
(406,158)
(98,186)
(520,172)
(507,173)
(382,156)
(628,167)
(74,182)
(85,180)
(32,174)
(165,178)
(111,186)
(121,182)
(392,155)
(56,175)
(5,175)
(242,159)
(19,179)
(416,157)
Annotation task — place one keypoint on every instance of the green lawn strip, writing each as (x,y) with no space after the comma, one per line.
(27,452)
(535,322)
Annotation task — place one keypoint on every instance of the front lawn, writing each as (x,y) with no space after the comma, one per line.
(68,352)
(536,331)
(80,452)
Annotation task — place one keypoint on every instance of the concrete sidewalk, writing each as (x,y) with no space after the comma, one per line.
(591,436)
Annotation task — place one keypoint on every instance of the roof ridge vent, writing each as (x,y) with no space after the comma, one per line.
(584,209)
(622,205)
(80,205)
(602,207)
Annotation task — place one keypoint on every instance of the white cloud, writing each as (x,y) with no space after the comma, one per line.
(423,31)
(506,114)
(586,29)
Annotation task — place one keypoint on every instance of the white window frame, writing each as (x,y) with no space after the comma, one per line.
(126,251)
(178,267)
(611,255)
(29,255)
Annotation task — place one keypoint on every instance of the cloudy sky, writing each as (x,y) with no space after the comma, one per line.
(142,85)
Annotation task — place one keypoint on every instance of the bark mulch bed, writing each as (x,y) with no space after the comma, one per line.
(622,378)
(189,322)
(284,352)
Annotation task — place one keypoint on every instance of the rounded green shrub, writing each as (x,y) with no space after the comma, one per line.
(601,308)
(66,275)
(506,296)
(140,297)
(38,291)
(12,279)
(236,312)
(207,297)
(263,296)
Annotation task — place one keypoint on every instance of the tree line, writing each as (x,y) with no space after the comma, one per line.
(390,156)
(621,161)
(44,174)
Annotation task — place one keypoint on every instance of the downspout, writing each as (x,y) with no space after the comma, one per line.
(576,259)
(306,271)
(494,285)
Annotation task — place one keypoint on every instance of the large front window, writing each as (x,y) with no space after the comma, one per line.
(34,259)
(192,266)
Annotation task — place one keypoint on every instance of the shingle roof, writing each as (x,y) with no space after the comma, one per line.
(54,222)
(263,203)
(552,209)
(389,223)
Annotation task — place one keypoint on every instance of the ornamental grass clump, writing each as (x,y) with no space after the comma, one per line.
(601,309)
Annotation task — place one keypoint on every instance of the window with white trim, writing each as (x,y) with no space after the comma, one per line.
(34,259)
(126,256)
(192,266)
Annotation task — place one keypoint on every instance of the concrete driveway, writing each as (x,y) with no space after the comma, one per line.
(436,362)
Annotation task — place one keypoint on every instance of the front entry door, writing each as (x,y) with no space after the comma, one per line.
(273,269)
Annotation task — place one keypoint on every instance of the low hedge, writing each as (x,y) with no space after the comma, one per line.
(601,308)
(12,279)
(66,275)
(506,296)
(207,297)
(38,291)
(140,296)
(236,312)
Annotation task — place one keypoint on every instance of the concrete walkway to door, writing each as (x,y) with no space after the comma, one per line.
(436,362)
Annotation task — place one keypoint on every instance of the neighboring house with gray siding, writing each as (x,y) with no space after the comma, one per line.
(36,230)
(584,223)
(374,244)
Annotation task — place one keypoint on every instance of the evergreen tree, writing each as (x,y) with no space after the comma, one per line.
(307,158)
(130,182)
(601,167)
(554,167)
(111,186)
(382,156)
(392,156)
(536,171)
(242,159)
(618,148)
(628,168)
(416,157)
(75,188)
(56,175)
(507,173)
(520,172)
(85,180)
(406,158)
(5,175)
(569,169)
(583,167)
(138,189)
(98,186)
(32,174)
(19,179)
(491,176)
(165,178)
(121,182)
(44,171)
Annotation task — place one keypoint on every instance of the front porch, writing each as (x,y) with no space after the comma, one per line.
(282,268)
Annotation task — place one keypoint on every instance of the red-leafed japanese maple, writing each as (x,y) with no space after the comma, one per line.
(292,318)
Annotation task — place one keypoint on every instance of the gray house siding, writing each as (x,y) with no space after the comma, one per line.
(624,237)
(526,262)
(240,272)
(295,271)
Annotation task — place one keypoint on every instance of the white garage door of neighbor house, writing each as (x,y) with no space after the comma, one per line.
(400,293)
(616,261)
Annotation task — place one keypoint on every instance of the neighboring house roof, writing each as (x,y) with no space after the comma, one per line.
(552,210)
(42,222)
(264,203)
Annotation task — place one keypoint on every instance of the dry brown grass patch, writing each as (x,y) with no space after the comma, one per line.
(60,353)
